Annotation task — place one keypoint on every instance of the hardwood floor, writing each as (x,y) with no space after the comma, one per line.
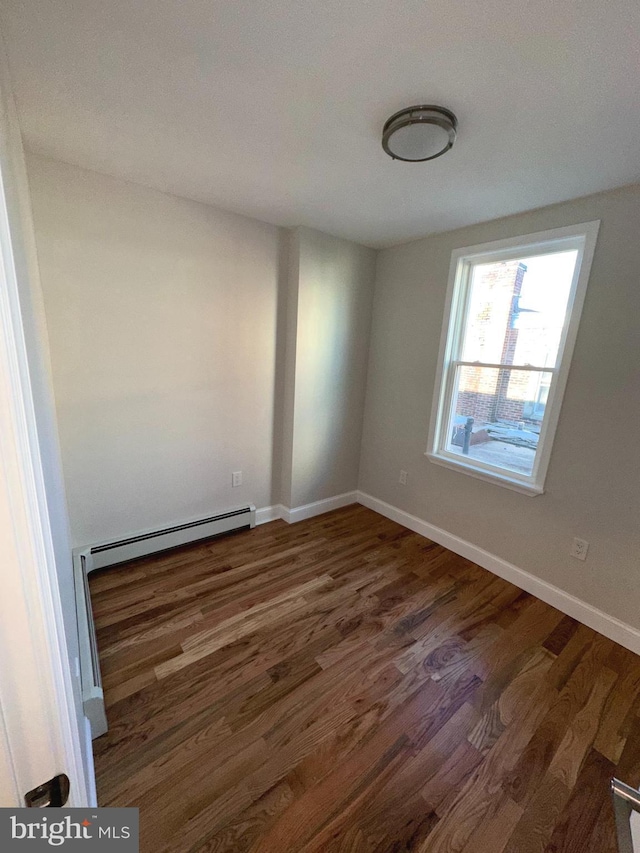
(343,684)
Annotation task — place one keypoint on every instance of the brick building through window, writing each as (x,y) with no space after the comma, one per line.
(493,395)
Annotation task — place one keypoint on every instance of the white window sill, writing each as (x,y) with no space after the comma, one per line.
(530,489)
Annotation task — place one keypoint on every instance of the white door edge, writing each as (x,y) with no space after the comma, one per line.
(39,732)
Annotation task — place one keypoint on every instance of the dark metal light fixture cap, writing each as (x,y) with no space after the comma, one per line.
(419,133)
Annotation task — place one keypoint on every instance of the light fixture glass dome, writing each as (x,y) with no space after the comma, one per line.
(419,133)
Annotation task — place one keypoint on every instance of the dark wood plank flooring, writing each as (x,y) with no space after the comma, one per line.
(343,684)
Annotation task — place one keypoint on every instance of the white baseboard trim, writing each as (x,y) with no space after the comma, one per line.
(268,513)
(600,621)
(300,513)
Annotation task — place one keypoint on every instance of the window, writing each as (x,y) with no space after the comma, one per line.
(511,320)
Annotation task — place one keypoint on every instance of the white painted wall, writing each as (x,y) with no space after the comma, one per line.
(592,487)
(162,325)
(328,324)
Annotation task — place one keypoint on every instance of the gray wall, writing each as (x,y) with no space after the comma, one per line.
(174,361)
(329,320)
(181,334)
(290,337)
(162,321)
(593,483)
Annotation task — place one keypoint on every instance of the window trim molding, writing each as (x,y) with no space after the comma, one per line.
(582,237)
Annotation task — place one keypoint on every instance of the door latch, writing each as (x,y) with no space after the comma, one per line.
(53,794)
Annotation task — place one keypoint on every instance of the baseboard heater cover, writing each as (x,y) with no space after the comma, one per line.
(91,557)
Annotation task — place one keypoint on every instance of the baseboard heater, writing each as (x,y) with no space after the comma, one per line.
(91,557)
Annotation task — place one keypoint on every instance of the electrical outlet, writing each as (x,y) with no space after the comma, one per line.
(236,479)
(403,478)
(579,549)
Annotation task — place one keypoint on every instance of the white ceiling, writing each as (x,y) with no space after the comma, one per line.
(274,108)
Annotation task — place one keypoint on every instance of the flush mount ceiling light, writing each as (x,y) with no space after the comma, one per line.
(420,133)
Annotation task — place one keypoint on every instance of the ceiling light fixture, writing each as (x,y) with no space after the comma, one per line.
(420,133)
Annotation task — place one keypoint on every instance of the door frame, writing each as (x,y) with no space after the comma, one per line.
(40,733)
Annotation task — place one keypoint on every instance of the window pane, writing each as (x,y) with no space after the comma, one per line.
(496,416)
(517,309)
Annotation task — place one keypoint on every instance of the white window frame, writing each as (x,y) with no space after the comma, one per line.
(580,237)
